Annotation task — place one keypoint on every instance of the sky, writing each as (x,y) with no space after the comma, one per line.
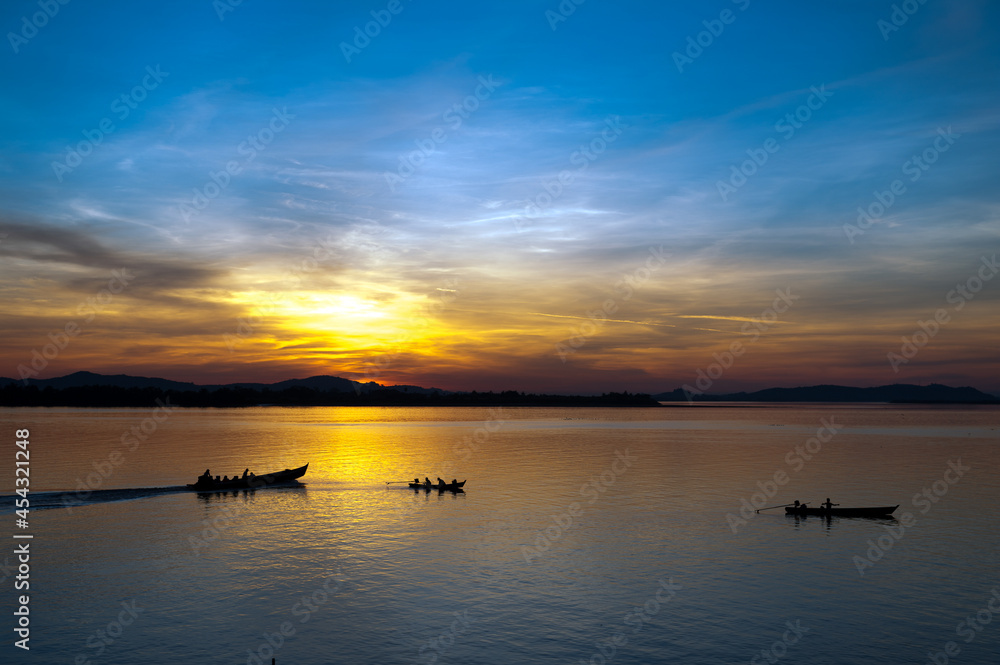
(537,195)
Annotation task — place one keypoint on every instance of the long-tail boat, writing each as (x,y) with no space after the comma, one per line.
(441,487)
(249,481)
(881,511)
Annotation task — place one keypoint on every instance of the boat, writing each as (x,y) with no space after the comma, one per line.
(208,484)
(441,487)
(881,511)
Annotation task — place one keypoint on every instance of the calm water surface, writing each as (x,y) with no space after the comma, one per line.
(594,535)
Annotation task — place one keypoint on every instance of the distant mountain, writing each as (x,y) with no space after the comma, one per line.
(316,385)
(81,379)
(86,389)
(934,393)
(322,383)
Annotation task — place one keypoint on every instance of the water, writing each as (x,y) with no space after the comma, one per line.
(584,535)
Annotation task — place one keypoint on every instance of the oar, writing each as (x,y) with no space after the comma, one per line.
(785,505)
(393,482)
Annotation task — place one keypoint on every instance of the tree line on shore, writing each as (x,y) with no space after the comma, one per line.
(15,394)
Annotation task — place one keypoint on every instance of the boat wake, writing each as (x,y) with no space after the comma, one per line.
(44,500)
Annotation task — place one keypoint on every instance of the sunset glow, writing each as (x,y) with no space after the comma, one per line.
(483,199)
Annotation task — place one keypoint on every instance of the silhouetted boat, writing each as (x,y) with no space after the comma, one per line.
(882,511)
(441,487)
(248,482)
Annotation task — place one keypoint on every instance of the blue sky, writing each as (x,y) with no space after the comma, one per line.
(310,138)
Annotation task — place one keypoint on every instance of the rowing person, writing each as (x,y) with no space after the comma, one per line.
(827,506)
(427,481)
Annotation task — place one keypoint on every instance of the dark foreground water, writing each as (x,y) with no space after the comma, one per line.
(594,535)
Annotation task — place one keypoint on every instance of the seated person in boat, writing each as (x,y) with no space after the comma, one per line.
(827,506)
(427,481)
(246,471)
(454,481)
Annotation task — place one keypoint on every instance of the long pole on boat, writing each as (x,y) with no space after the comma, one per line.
(393,482)
(784,505)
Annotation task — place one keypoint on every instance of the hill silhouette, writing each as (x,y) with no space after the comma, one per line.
(87,389)
(322,382)
(109,390)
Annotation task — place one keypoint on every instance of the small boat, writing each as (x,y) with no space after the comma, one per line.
(441,487)
(249,482)
(881,511)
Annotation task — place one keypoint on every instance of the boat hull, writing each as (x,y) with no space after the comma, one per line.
(446,487)
(256,482)
(881,511)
